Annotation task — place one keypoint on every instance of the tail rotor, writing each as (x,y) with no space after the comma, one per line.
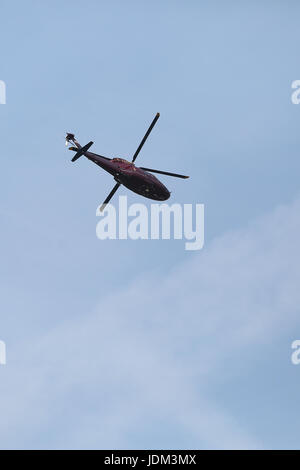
(80,151)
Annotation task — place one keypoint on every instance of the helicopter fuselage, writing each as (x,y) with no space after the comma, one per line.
(137,180)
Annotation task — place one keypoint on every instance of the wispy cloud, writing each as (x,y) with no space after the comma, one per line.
(139,369)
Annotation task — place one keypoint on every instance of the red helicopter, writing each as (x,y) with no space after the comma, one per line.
(137,179)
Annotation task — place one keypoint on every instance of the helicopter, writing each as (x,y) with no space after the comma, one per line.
(137,179)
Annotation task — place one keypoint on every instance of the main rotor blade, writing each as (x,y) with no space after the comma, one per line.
(164,172)
(109,196)
(145,137)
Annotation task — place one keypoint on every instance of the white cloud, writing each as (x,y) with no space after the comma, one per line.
(138,370)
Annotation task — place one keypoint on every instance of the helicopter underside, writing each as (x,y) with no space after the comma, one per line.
(149,187)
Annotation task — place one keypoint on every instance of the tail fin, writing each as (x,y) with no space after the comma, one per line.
(70,139)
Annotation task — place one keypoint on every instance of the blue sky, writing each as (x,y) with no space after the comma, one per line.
(141,344)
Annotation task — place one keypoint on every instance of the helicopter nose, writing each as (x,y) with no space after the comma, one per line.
(165,194)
